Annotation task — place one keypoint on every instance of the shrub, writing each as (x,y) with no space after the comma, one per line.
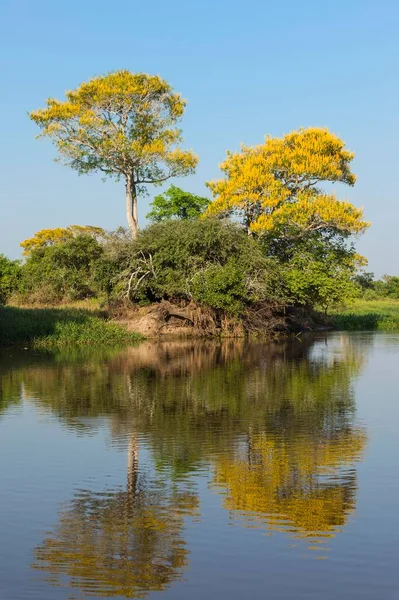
(10,274)
(370,294)
(208,261)
(317,271)
(62,272)
(220,286)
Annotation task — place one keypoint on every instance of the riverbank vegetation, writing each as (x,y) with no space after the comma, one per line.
(268,252)
(368,315)
(57,328)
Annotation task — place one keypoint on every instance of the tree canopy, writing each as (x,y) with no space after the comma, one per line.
(59,235)
(122,124)
(275,186)
(175,203)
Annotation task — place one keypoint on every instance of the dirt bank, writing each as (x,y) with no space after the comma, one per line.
(166,319)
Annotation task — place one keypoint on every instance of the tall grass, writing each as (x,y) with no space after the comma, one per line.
(368,315)
(57,328)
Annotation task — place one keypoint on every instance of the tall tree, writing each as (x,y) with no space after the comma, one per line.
(275,186)
(124,125)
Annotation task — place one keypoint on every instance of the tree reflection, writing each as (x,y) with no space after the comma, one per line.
(275,423)
(302,484)
(123,543)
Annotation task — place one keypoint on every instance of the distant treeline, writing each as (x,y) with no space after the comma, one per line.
(377,289)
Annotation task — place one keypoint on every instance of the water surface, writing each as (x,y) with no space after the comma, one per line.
(202,470)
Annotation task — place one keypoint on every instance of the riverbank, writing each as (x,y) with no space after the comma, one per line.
(82,325)
(55,328)
(367,315)
(87,323)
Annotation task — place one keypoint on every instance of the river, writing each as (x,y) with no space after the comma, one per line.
(202,470)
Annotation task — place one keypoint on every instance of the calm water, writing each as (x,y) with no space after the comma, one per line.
(202,471)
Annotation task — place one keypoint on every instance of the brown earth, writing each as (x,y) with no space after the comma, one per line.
(165,319)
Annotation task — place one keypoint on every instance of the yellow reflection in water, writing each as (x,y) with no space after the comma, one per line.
(120,542)
(274,422)
(304,485)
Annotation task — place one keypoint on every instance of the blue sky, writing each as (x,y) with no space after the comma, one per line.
(246,69)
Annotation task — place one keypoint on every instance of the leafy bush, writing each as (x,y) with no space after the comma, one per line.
(387,287)
(370,295)
(61,272)
(208,261)
(374,289)
(220,286)
(10,274)
(317,271)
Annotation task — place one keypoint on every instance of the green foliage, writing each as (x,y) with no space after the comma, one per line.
(368,315)
(208,261)
(115,258)
(317,271)
(64,271)
(9,277)
(387,287)
(370,289)
(365,281)
(59,327)
(220,286)
(175,203)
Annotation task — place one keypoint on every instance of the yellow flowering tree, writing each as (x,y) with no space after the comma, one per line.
(276,186)
(58,235)
(122,124)
(277,189)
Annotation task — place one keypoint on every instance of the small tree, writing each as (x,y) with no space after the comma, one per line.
(175,203)
(124,125)
(320,274)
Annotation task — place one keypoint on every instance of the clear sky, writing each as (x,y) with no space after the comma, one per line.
(247,68)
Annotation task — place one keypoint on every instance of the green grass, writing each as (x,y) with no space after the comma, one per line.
(366,315)
(57,328)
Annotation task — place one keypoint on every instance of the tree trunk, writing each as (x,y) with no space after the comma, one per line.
(132,463)
(131,206)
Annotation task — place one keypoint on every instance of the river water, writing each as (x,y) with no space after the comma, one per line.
(202,470)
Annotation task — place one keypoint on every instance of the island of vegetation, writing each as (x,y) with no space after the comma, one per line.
(272,250)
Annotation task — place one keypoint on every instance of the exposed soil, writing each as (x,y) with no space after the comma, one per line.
(190,320)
